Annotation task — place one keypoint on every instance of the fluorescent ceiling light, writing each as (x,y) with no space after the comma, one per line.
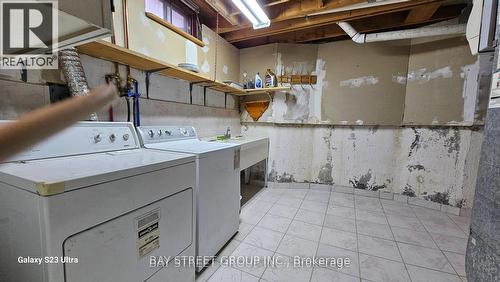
(254,13)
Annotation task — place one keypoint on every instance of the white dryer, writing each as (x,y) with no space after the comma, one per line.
(217,191)
(94,206)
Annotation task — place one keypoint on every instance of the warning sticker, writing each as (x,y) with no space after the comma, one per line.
(148,232)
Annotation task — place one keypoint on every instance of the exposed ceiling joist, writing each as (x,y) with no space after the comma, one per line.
(297,9)
(242,34)
(366,25)
(224,10)
(421,13)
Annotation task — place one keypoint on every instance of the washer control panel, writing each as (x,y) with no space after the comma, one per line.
(84,138)
(155,134)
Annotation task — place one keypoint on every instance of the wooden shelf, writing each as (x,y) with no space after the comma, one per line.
(175,29)
(263,90)
(107,51)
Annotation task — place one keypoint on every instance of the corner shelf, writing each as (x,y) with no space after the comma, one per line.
(110,52)
(263,90)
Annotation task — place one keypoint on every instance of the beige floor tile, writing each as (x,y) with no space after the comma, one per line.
(295,246)
(304,230)
(275,222)
(310,217)
(339,238)
(378,247)
(374,229)
(419,274)
(264,238)
(425,257)
(382,270)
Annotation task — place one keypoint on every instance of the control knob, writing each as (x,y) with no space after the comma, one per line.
(112,137)
(151,133)
(97,138)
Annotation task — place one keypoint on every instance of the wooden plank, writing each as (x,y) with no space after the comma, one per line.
(175,29)
(110,52)
(422,13)
(247,92)
(321,20)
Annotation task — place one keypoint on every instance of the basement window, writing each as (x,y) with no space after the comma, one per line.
(176,12)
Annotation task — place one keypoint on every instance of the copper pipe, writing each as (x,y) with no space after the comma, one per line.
(42,123)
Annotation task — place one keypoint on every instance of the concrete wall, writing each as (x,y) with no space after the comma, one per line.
(351,131)
(415,161)
(169,103)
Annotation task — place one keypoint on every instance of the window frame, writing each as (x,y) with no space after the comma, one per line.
(189,15)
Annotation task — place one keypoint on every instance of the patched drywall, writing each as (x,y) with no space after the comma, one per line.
(359,85)
(442,83)
(438,164)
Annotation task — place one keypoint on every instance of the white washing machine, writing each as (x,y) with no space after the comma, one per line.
(93,206)
(217,191)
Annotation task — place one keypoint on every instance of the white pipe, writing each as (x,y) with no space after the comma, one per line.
(401,34)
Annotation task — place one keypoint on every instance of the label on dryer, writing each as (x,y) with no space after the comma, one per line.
(148,232)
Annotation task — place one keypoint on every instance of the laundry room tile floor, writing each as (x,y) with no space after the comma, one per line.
(384,240)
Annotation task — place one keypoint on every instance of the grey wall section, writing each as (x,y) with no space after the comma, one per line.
(170,102)
(483,249)
(482,258)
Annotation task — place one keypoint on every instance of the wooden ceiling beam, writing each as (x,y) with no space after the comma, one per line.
(321,20)
(421,13)
(365,25)
(270,4)
(224,10)
(297,9)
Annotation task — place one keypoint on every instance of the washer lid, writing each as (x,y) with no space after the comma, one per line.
(192,146)
(57,175)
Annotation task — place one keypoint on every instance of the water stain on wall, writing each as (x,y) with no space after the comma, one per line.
(415,145)
(363,182)
(325,173)
(415,167)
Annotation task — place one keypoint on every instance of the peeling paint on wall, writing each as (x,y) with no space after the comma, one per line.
(359,81)
(399,78)
(413,161)
(415,167)
(205,48)
(205,67)
(325,173)
(469,92)
(423,76)
(415,145)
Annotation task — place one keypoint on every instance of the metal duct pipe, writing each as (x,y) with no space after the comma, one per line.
(71,65)
(402,34)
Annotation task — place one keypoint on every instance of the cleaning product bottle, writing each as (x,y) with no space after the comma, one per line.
(270,79)
(258,81)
